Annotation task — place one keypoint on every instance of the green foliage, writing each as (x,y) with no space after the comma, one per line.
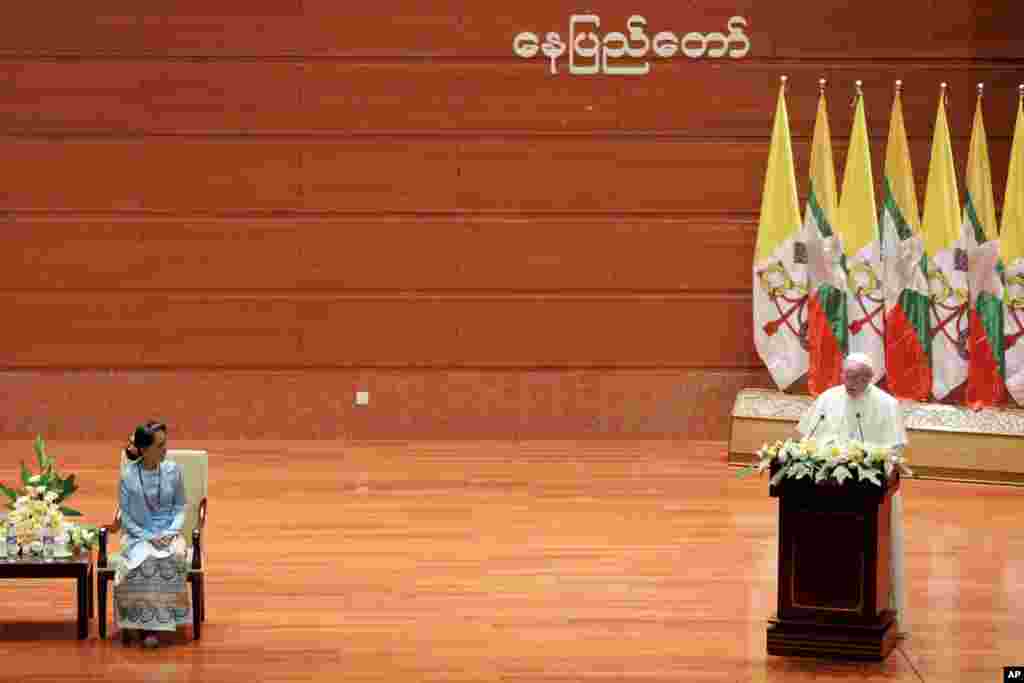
(10,493)
(841,473)
(48,477)
(831,460)
(40,449)
(58,488)
(870,475)
(800,470)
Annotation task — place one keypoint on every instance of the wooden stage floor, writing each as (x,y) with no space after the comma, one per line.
(506,561)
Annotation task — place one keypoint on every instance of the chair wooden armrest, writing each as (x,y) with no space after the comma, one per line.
(112,528)
(201,523)
(197,550)
(197,537)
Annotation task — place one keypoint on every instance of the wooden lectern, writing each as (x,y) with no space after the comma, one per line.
(833,570)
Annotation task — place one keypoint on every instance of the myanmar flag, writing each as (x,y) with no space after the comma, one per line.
(947,263)
(986,363)
(907,339)
(779,262)
(1011,252)
(858,231)
(826,299)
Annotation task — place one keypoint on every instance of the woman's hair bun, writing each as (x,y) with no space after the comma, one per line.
(143,437)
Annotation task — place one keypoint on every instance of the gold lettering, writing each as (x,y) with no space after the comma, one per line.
(736,33)
(526,45)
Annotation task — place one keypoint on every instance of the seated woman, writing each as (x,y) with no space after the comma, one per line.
(149,586)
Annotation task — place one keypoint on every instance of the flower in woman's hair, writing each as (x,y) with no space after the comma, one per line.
(50,496)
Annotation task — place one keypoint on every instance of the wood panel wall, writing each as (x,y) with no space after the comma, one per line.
(233,215)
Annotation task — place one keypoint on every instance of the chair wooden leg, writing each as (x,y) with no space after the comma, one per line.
(82,593)
(197,605)
(102,578)
(92,592)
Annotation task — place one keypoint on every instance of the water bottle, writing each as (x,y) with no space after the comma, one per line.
(12,541)
(48,544)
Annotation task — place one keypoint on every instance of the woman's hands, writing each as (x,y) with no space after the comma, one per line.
(162,542)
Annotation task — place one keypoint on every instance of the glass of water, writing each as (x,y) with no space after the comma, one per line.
(48,544)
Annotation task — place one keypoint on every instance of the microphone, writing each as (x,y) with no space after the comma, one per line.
(815,428)
(860,427)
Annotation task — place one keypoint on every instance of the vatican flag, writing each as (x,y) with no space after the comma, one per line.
(858,232)
(779,294)
(947,263)
(1011,252)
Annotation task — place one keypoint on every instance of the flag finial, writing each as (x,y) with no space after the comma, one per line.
(899,86)
(821,85)
(1020,90)
(981,89)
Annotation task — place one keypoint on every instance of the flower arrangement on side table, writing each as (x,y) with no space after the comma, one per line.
(38,506)
(829,460)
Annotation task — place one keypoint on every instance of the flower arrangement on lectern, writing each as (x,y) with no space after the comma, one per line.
(38,505)
(829,460)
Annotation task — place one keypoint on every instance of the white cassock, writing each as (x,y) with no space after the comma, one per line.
(835,413)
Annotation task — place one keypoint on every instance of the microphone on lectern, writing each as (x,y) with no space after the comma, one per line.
(816,424)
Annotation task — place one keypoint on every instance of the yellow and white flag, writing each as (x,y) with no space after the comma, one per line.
(947,263)
(858,232)
(985,352)
(1011,251)
(779,293)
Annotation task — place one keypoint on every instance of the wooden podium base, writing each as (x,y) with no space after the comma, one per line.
(799,638)
(834,570)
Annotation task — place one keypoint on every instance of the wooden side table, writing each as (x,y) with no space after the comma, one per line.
(79,567)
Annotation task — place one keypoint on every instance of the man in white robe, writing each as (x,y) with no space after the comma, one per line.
(857,409)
